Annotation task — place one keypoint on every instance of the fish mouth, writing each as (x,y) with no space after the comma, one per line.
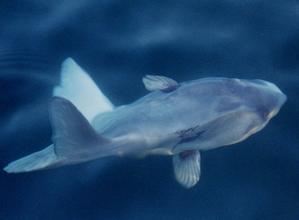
(272,113)
(281,101)
(274,93)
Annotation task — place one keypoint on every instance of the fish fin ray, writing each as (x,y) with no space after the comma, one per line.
(43,159)
(187,167)
(156,82)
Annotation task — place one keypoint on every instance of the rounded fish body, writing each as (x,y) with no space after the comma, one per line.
(179,119)
(200,114)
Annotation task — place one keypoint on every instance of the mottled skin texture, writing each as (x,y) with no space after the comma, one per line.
(201,114)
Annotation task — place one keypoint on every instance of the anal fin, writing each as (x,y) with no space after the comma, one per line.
(73,136)
(187,167)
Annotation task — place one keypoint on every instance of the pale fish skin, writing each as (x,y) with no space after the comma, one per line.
(175,119)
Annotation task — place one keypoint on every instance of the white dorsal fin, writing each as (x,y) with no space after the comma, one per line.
(163,83)
(187,167)
(77,86)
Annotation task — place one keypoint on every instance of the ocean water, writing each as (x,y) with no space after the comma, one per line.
(118,42)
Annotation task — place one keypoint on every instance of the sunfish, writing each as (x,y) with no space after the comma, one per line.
(176,119)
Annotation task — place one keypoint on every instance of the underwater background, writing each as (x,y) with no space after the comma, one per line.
(117,42)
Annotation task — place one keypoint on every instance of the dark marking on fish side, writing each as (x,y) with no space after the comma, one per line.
(185,154)
(189,135)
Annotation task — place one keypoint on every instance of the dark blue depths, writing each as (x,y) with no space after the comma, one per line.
(118,42)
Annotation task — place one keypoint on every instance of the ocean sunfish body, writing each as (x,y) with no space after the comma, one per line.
(177,119)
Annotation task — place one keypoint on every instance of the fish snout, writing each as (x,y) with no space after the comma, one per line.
(275,93)
(265,97)
(271,98)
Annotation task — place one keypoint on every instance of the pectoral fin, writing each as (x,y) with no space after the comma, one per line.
(187,167)
(163,83)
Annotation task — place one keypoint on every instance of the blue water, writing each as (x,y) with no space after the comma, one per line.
(118,42)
